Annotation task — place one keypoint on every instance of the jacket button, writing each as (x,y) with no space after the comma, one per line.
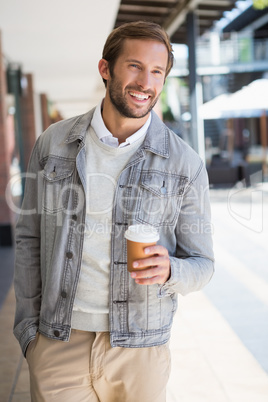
(57,333)
(63,294)
(74,217)
(69,255)
(53,175)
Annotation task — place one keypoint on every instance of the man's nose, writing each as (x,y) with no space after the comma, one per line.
(144,80)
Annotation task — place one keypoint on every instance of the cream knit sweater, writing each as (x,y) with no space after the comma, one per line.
(104,165)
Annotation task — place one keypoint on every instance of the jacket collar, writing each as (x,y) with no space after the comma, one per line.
(156,140)
(79,128)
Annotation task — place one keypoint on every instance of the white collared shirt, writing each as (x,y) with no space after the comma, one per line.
(107,137)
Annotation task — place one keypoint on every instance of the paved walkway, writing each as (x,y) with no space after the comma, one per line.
(220,335)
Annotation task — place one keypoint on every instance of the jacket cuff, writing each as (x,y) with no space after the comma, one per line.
(26,337)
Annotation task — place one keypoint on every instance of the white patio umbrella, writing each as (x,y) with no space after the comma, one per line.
(250,101)
(214,108)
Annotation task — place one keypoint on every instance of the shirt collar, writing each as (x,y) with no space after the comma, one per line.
(107,137)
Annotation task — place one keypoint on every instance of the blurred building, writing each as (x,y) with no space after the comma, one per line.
(24,114)
(231,56)
(229,59)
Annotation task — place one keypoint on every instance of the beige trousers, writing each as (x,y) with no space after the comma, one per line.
(88,369)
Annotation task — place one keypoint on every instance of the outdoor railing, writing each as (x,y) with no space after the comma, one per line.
(232,51)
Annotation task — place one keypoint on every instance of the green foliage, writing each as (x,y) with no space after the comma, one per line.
(166,111)
(260,4)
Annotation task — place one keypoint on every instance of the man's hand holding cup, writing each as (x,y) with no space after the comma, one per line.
(148,262)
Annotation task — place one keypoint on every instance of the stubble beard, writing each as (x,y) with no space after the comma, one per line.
(118,99)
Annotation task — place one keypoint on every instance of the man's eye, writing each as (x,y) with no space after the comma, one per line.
(157,72)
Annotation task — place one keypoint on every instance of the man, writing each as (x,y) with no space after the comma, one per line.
(91,331)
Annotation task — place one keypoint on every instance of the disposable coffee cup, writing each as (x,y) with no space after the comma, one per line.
(138,238)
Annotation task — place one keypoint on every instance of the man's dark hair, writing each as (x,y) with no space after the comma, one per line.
(144,30)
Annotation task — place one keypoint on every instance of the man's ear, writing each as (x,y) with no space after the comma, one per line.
(104,69)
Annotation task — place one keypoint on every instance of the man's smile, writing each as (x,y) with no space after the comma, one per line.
(139,96)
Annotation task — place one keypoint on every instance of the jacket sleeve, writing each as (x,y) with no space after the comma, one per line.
(27,276)
(192,266)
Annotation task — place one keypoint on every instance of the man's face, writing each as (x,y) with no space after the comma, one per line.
(138,77)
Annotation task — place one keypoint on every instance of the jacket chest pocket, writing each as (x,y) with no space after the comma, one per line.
(159,198)
(58,174)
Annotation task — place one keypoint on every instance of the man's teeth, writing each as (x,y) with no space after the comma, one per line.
(139,96)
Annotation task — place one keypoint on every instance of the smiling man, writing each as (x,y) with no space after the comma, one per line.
(91,331)
(136,80)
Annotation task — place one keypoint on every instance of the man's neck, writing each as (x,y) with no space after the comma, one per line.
(121,127)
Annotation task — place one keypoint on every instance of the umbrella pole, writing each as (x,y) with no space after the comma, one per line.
(264,143)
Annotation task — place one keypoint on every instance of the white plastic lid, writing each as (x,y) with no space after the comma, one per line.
(142,233)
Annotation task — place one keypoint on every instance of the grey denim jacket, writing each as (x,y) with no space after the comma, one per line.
(164,184)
